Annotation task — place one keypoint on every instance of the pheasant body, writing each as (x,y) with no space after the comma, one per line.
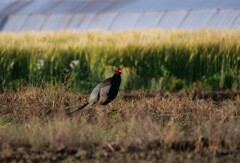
(104,92)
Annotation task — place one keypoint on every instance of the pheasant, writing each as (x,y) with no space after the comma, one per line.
(104,92)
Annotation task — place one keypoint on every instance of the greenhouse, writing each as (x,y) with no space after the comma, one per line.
(111,15)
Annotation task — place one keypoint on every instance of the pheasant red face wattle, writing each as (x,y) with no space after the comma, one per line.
(118,71)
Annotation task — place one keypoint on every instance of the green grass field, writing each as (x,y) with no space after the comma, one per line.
(151,60)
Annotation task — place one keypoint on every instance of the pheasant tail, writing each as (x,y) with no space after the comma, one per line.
(80,108)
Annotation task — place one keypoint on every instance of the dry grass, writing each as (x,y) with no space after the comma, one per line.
(35,126)
(119,40)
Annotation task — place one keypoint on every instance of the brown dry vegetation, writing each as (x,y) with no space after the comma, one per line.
(35,126)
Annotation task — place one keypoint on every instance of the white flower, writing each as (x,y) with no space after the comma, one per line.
(74,63)
(40,64)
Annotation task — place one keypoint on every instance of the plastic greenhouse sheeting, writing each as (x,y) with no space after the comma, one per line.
(14,23)
(149,20)
(224,19)
(34,23)
(197,19)
(102,21)
(172,19)
(56,22)
(50,15)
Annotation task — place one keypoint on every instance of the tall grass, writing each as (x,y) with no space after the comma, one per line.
(151,59)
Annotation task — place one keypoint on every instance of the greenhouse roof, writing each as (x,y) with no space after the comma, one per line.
(48,15)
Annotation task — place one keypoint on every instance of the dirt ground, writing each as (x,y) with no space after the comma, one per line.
(138,127)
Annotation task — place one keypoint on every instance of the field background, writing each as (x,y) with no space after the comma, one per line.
(151,60)
(179,98)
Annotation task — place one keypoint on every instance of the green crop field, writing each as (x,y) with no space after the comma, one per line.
(151,60)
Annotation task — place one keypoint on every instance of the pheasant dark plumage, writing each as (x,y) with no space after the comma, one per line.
(104,92)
